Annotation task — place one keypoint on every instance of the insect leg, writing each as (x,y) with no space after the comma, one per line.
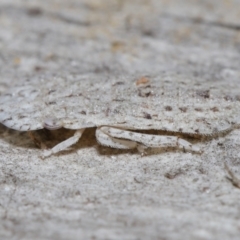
(64,145)
(107,140)
(149,140)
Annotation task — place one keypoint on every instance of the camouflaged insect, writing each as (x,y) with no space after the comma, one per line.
(121,107)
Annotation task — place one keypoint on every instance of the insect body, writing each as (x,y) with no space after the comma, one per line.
(122,109)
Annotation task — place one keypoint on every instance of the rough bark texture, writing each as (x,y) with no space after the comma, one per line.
(93,192)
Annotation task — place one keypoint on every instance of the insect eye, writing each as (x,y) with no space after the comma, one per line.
(52,123)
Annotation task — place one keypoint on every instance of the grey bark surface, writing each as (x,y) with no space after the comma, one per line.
(94,192)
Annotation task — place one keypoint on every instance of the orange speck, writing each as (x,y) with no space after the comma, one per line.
(142,80)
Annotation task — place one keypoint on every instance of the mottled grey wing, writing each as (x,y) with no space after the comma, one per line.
(169,103)
(174,103)
(30,104)
(77,102)
(20,109)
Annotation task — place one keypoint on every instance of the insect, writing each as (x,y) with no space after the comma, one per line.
(123,108)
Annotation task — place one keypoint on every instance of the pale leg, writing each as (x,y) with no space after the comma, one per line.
(64,145)
(106,140)
(112,136)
